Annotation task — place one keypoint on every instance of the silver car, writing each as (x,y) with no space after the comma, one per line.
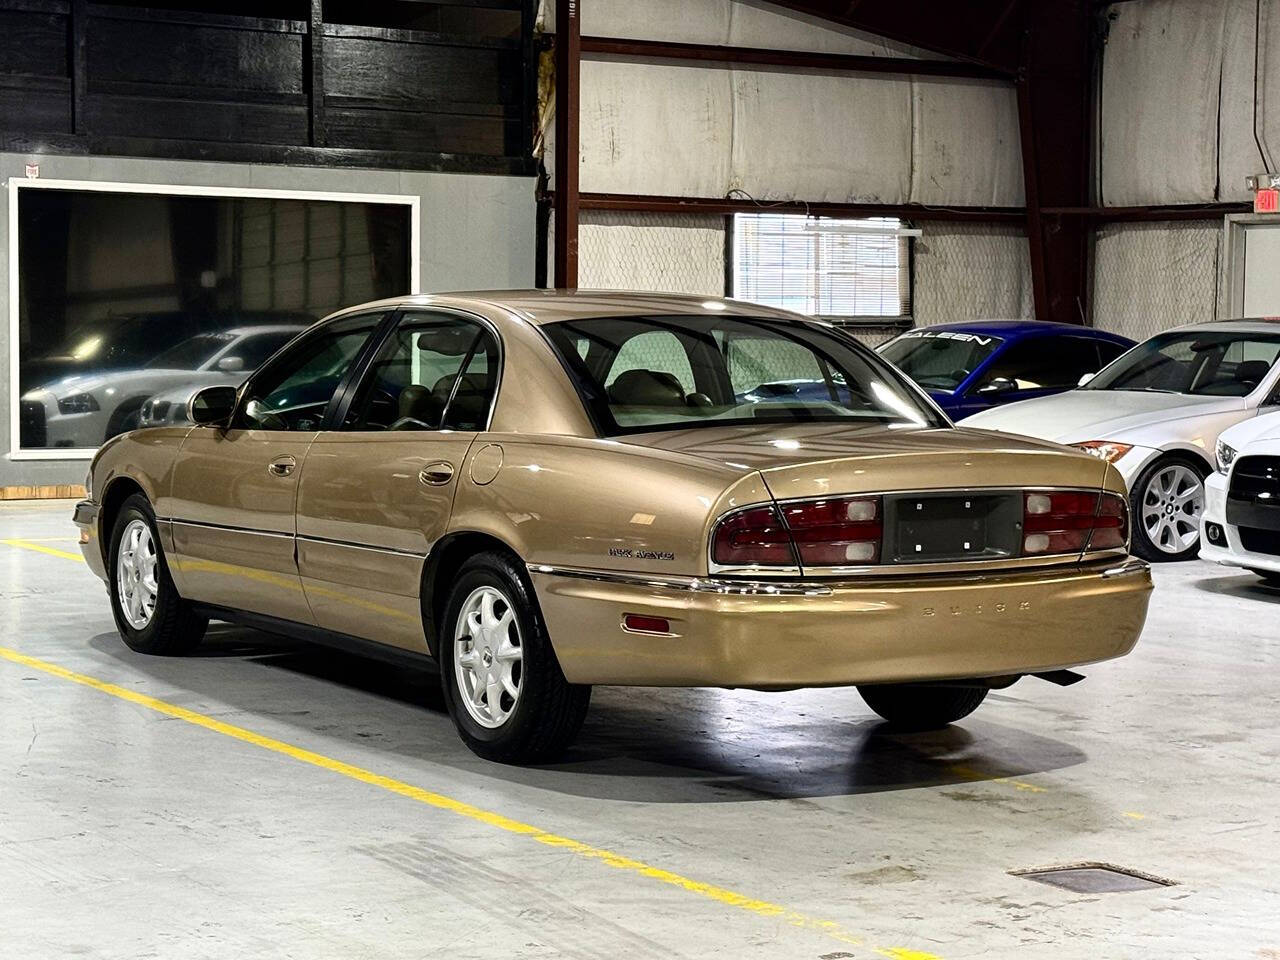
(85,410)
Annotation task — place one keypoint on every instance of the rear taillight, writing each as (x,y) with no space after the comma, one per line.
(842,531)
(1070,522)
(837,532)
(753,538)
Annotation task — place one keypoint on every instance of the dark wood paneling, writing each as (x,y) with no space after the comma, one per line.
(407,72)
(188,55)
(37,104)
(209,120)
(33,43)
(110,78)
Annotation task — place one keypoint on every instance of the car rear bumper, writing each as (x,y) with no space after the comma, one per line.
(86,520)
(726,633)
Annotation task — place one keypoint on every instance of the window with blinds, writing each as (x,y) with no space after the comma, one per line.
(822,266)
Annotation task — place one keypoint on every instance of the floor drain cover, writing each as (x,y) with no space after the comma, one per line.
(1093,878)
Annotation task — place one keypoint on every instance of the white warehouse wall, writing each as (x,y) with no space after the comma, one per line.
(657,127)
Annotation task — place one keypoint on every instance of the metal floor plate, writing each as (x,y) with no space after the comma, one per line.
(1093,878)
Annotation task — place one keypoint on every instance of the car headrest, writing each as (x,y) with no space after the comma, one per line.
(418,402)
(1251,371)
(647,388)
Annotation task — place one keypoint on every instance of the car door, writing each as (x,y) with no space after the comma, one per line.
(376,492)
(235,488)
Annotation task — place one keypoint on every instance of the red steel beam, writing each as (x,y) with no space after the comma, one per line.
(798,59)
(568,58)
(643,203)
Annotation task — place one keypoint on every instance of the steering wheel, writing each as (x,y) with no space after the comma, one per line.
(410,423)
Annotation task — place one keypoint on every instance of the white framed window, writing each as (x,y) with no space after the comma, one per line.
(826,267)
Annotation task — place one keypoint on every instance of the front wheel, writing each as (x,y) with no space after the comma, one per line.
(922,706)
(502,682)
(149,614)
(1166,503)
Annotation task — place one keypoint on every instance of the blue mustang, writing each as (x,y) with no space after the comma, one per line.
(967,367)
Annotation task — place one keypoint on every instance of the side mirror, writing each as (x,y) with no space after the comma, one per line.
(231,364)
(998,385)
(211,406)
(1085,378)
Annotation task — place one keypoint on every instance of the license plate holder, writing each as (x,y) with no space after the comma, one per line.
(942,527)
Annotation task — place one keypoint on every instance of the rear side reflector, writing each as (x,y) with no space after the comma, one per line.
(1070,522)
(637,623)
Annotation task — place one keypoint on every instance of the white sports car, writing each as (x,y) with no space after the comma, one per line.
(1155,413)
(1242,499)
(85,410)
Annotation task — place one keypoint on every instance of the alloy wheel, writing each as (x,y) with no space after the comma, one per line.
(1171,507)
(136,569)
(488,657)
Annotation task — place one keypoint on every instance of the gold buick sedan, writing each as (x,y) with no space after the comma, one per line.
(539,491)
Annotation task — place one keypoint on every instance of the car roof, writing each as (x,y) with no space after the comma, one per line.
(551,306)
(1025,328)
(1232,325)
(257,328)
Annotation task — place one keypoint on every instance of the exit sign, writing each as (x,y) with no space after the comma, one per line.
(1267,200)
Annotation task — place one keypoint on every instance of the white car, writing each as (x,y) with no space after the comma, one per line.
(1155,413)
(85,410)
(1242,499)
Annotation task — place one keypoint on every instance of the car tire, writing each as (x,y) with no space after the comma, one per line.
(922,706)
(150,615)
(1164,530)
(494,646)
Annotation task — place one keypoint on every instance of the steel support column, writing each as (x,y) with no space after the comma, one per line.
(1053,119)
(568,56)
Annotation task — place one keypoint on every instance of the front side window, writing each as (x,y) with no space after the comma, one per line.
(939,359)
(1212,363)
(436,371)
(721,371)
(1043,363)
(292,392)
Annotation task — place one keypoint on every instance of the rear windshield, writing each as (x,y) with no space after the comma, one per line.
(1216,364)
(661,373)
(939,359)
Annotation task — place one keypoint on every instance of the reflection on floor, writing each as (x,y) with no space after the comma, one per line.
(127,833)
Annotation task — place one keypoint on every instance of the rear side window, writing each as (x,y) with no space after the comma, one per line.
(435,371)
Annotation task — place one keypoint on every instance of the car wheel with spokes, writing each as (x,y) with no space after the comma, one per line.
(149,614)
(502,682)
(1166,502)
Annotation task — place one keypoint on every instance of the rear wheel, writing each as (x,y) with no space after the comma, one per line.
(1166,502)
(149,614)
(922,706)
(502,682)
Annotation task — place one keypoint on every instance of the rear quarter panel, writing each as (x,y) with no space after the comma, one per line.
(598,504)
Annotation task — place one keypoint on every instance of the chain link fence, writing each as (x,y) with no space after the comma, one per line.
(1148,277)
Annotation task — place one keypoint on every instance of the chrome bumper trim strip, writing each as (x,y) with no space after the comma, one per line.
(781,588)
(1127,569)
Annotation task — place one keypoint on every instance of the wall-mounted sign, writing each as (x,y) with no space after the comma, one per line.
(1267,201)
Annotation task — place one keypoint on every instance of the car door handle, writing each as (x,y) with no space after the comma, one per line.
(436,474)
(282,466)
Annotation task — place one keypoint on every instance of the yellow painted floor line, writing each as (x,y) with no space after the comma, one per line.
(40,548)
(721,895)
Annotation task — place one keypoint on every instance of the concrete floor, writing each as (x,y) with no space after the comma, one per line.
(126,833)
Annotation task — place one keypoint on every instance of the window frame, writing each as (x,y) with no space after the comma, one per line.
(345,395)
(900,322)
(340,391)
(16,185)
